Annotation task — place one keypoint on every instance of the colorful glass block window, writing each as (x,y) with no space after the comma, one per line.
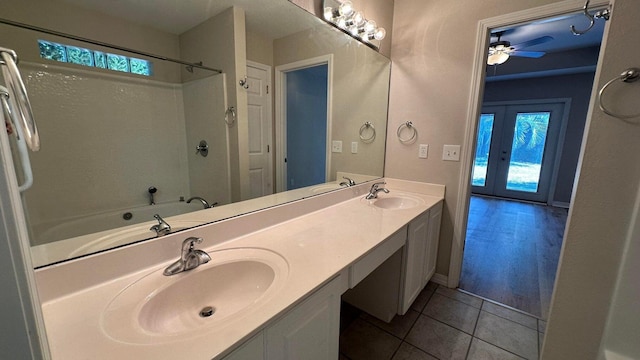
(80,56)
(140,67)
(92,58)
(117,63)
(52,51)
(100,59)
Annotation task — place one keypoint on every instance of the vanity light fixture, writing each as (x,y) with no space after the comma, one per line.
(345,17)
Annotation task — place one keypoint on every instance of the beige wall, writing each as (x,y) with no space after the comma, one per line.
(204,43)
(360,85)
(430,85)
(432,55)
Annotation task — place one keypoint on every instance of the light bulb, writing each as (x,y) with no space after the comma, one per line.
(380,33)
(341,22)
(328,13)
(370,26)
(497,58)
(358,19)
(346,8)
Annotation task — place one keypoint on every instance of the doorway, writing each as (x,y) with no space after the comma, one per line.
(522,163)
(303,109)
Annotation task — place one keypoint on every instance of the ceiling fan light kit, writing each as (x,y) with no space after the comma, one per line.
(501,50)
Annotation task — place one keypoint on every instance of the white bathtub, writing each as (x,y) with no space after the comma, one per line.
(88,234)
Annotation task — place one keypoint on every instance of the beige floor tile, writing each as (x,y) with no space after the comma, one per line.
(409,352)
(520,318)
(508,335)
(363,341)
(460,296)
(438,339)
(481,350)
(452,312)
(399,325)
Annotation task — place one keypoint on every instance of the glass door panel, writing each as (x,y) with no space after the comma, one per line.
(527,150)
(515,150)
(483,145)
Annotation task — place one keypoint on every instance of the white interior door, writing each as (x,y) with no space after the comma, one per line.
(260,133)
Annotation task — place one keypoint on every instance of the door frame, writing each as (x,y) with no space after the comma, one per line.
(559,141)
(268,70)
(281,113)
(474,108)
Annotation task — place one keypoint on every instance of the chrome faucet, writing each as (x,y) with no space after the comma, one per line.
(203,201)
(190,258)
(375,189)
(161,228)
(347,183)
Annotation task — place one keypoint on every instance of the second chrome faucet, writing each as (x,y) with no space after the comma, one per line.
(375,189)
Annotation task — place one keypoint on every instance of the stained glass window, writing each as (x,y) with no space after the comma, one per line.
(80,56)
(92,58)
(52,51)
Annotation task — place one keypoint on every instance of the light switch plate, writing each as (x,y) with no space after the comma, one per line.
(336,146)
(354,147)
(451,153)
(423,151)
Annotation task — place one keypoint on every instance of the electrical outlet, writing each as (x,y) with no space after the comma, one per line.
(423,151)
(451,153)
(354,147)
(336,146)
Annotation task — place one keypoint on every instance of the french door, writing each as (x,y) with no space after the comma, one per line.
(515,150)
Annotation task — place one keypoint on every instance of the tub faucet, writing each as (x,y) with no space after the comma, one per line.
(152,190)
(161,228)
(375,189)
(190,258)
(347,183)
(203,201)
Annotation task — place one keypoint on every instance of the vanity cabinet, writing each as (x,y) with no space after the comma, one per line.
(420,255)
(309,331)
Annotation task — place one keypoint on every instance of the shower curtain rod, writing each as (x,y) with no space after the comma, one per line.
(100,43)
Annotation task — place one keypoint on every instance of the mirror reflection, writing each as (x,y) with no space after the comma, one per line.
(124,134)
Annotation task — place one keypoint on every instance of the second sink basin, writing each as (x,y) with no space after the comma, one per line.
(163,308)
(395,201)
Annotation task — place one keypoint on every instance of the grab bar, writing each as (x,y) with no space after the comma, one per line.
(21,114)
(23,152)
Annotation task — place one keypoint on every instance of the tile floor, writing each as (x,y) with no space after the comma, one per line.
(442,324)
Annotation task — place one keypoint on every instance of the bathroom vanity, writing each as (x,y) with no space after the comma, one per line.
(272,289)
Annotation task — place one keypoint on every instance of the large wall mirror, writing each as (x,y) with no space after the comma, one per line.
(296,106)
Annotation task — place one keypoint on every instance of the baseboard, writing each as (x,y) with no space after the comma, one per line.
(560,204)
(439,279)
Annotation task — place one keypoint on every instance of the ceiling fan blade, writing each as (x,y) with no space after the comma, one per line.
(527,54)
(532,42)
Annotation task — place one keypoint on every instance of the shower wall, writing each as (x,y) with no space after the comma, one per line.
(105,140)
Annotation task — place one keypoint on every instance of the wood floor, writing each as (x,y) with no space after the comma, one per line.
(511,252)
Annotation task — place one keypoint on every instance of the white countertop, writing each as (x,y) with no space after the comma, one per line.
(316,246)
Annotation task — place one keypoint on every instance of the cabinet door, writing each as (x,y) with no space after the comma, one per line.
(414,260)
(253,349)
(310,331)
(433,239)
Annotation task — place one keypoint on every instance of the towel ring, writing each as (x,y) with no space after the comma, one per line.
(230,111)
(363,128)
(628,76)
(414,133)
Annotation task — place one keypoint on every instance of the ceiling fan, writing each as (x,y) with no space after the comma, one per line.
(501,50)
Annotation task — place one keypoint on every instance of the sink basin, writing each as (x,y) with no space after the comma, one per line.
(224,291)
(395,202)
